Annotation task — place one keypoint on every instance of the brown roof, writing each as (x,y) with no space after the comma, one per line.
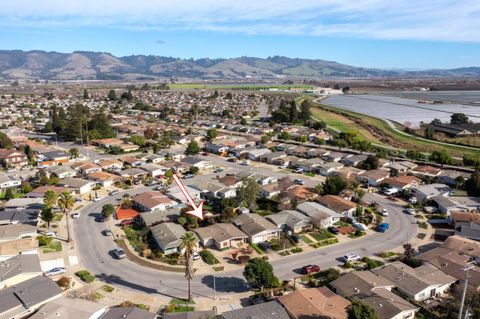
(427,169)
(465,217)
(88,165)
(229,180)
(103,176)
(337,203)
(315,303)
(152,199)
(466,246)
(402,181)
(108,162)
(375,174)
(43,189)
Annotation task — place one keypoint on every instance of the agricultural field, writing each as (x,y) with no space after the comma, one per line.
(403,111)
(250,87)
(447,96)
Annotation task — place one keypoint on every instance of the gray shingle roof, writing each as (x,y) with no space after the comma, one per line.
(20,264)
(266,310)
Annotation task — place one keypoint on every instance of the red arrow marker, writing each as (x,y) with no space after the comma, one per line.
(197,210)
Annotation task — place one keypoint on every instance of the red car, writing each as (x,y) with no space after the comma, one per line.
(310,269)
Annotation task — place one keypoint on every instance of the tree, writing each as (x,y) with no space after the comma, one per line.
(86,96)
(441,157)
(429,133)
(459,119)
(9,194)
(472,185)
(371,162)
(247,193)
(359,310)
(333,185)
(66,202)
(26,187)
(283,136)
(50,199)
(74,152)
(188,244)
(47,215)
(112,96)
(243,121)
(305,110)
(138,140)
(107,211)
(211,134)
(192,148)
(127,96)
(194,170)
(341,144)
(293,115)
(5,142)
(259,274)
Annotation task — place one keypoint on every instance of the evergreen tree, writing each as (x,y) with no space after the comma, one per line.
(112,96)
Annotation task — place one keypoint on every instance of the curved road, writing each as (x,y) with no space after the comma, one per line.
(93,249)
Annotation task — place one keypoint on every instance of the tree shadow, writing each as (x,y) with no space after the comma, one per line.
(225,284)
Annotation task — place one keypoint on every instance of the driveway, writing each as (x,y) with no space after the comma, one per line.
(93,249)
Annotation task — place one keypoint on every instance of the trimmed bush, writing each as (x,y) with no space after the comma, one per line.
(257,249)
(85,276)
(208,257)
(44,241)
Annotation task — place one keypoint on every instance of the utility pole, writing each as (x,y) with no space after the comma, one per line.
(468,266)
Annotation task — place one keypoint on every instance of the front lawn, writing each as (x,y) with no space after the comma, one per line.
(306,239)
(180,305)
(321,235)
(52,247)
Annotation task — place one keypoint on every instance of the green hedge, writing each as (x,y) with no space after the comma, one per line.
(85,276)
(208,257)
(257,249)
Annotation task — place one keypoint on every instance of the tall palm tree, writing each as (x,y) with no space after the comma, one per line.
(66,202)
(189,244)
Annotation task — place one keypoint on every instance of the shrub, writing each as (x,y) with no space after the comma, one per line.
(44,241)
(85,276)
(372,263)
(208,257)
(64,282)
(257,249)
(347,265)
(296,250)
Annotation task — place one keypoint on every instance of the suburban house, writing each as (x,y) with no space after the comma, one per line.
(62,171)
(19,215)
(291,220)
(270,190)
(221,236)
(104,178)
(152,201)
(321,216)
(349,173)
(333,156)
(315,303)
(40,191)
(373,177)
(155,158)
(177,195)
(374,291)
(13,158)
(107,142)
(23,299)
(88,168)
(427,191)
(128,313)
(254,154)
(265,310)
(353,160)
(327,168)
(154,170)
(77,185)
(339,204)
(451,177)
(18,269)
(218,149)
(452,255)
(27,203)
(160,216)
(168,237)
(402,182)
(9,181)
(445,204)
(419,283)
(196,162)
(132,161)
(426,171)
(401,167)
(134,173)
(110,164)
(70,308)
(17,231)
(257,228)
(466,224)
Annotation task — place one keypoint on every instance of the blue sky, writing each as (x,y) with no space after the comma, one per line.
(371,33)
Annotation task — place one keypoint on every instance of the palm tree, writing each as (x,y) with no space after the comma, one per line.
(66,202)
(188,244)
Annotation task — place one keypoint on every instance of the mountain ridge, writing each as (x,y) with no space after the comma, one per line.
(89,65)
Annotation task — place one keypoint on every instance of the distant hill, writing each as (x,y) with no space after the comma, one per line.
(82,65)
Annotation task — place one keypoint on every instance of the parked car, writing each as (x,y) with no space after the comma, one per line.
(390,191)
(188,176)
(50,234)
(126,222)
(333,230)
(299,182)
(264,246)
(218,170)
(76,215)
(107,232)
(410,211)
(412,200)
(205,153)
(246,163)
(196,256)
(55,271)
(384,212)
(295,238)
(299,170)
(351,257)
(100,218)
(382,227)
(115,192)
(98,198)
(310,269)
(232,159)
(119,253)
(360,226)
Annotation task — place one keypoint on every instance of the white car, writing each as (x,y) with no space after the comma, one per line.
(196,256)
(351,257)
(412,200)
(410,211)
(50,234)
(55,271)
(119,253)
(384,212)
(76,215)
(98,198)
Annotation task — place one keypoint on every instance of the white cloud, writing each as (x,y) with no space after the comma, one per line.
(444,20)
